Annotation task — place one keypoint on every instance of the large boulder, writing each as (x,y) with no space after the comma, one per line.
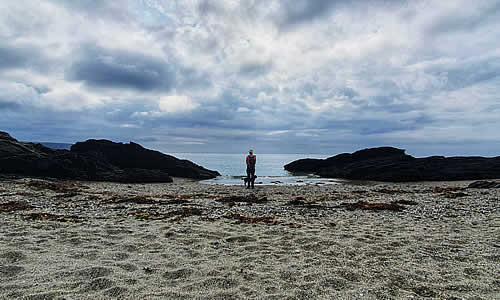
(18,157)
(95,160)
(392,164)
(133,155)
(483,184)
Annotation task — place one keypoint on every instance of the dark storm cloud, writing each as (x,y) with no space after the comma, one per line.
(104,68)
(206,7)
(8,105)
(255,69)
(292,12)
(301,11)
(12,57)
(297,12)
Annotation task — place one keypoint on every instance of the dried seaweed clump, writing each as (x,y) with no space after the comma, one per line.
(246,199)
(245,219)
(118,199)
(405,202)
(445,189)
(14,206)
(52,217)
(373,206)
(57,186)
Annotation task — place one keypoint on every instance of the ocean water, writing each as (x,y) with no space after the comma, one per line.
(269,168)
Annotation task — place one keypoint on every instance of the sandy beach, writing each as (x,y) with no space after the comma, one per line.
(82,240)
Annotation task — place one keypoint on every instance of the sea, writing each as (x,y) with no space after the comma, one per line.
(232,167)
(269,168)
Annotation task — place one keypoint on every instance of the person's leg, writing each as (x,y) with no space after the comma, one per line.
(249,178)
(253,177)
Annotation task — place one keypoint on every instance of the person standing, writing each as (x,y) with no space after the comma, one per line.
(251,161)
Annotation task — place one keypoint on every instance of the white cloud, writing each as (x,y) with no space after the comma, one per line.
(277,132)
(176,104)
(243,109)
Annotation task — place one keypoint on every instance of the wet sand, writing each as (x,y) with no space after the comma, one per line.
(82,240)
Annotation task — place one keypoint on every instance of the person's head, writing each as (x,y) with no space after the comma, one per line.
(250,151)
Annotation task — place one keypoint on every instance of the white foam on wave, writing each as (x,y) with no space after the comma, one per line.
(275,180)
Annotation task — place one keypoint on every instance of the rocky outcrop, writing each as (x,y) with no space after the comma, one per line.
(135,156)
(88,162)
(392,164)
(484,185)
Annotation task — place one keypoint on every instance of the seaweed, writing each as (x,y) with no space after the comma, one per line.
(373,206)
(246,199)
(14,206)
(53,217)
(297,201)
(117,199)
(405,202)
(57,186)
(185,212)
(300,201)
(245,219)
(451,195)
(445,189)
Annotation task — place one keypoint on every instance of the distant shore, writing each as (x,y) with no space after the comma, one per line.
(80,240)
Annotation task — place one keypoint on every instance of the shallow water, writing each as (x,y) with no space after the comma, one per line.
(275,180)
(269,168)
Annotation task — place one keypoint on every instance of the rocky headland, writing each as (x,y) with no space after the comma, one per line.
(394,165)
(96,160)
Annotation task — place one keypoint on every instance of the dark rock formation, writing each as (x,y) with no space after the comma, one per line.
(392,164)
(129,163)
(135,156)
(484,185)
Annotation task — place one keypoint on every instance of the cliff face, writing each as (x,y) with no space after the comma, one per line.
(392,164)
(95,160)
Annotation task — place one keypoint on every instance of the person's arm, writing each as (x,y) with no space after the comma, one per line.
(247,160)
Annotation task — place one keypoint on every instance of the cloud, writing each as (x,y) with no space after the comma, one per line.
(22,56)
(176,104)
(13,58)
(255,69)
(455,18)
(17,96)
(119,11)
(105,68)
(281,75)
(300,11)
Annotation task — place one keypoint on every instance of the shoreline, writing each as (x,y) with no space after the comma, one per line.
(80,240)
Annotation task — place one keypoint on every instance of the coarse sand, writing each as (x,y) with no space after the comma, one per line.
(88,240)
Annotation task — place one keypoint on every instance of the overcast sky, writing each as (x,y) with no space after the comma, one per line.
(289,76)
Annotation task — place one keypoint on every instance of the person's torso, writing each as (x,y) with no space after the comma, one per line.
(251,159)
